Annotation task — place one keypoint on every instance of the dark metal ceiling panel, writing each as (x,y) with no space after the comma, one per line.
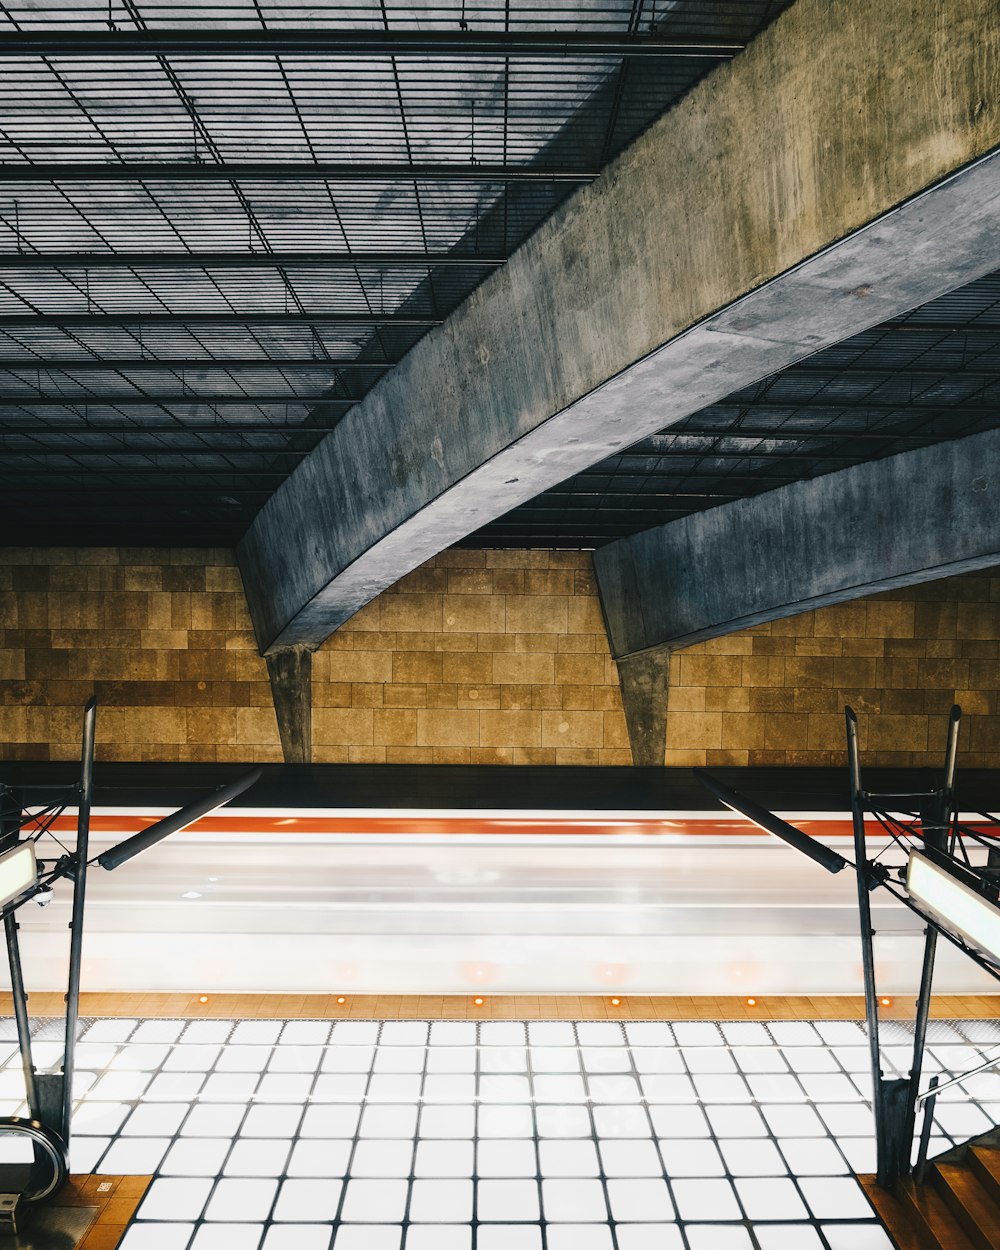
(323,276)
(934,375)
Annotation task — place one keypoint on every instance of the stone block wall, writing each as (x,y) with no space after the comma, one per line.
(775,694)
(483,657)
(162,637)
(477,657)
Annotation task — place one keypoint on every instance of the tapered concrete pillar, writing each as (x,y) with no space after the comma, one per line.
(290,671)
(645,686)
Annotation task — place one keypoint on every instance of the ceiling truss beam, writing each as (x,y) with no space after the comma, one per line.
(246,260)
(240,428)
(185,470)
(178,319)
(231,449)
(79,401)
(846,407)
(283,171)
(899,371)
(649,447)
(329,42)
(59,365)
(846,403)
(130,429)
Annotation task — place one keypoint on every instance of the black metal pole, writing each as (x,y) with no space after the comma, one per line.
(115,856)
(10,829)
(21,1013)
(925,1133)
(883,1166)
(935,818)
(951,750)
(79,897)
(920,1026)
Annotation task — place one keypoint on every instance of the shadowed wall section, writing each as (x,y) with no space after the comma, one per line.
(480,657)
(775,694)
(477,657)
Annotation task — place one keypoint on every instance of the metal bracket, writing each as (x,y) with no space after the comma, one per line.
(9,1210)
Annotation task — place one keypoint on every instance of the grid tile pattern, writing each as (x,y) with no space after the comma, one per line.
(698,1135)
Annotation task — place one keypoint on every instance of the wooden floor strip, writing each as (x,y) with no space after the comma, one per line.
(117,1198)
(501,1007)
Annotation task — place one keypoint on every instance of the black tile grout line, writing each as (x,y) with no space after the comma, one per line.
(228,1030)
(655,1137)
(353,1147)
(772,1136)
(535,1137)
(585,1076)
(972,1044)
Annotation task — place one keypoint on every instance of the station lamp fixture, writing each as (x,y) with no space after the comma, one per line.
(927,865)
(956,904)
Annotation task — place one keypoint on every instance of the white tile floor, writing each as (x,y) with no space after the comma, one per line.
(500,1136)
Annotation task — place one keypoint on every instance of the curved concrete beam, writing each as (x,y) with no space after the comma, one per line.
(909,518)
(840,171)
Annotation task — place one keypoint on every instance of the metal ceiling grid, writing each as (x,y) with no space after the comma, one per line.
(924,379)
(692,20)
(359,138)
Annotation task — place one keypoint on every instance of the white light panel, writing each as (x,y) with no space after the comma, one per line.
(18,871)
(954,904)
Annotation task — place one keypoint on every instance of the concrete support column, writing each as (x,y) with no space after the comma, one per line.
(895,522)
(645,686)
(290,671)
(841,171)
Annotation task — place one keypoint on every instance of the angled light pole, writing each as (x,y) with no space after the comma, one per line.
(49,1096)
(956,899)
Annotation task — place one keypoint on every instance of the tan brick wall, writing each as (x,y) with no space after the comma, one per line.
(481,657)
(161,636)
(775,694)
(478,657)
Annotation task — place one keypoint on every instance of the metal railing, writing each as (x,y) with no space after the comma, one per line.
(928,1099)
(956,1080)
